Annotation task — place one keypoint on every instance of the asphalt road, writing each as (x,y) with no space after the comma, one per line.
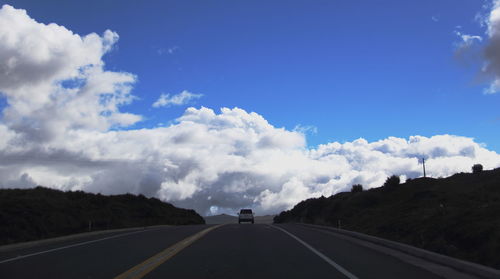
(229,251)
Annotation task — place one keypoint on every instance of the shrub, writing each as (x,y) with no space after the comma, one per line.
(357,188)
(392,181)
(477,168)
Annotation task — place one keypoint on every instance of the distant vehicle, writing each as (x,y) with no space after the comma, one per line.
(245,215)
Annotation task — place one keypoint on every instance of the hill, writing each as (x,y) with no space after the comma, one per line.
(31,214)
(457,216)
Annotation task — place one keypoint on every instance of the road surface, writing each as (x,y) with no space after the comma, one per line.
(208,251)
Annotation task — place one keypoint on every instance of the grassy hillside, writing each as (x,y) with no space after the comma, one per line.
(30,214)
(457,216)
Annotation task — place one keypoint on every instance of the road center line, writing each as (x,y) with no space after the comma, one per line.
(68,246)
(150,264)
(318,253)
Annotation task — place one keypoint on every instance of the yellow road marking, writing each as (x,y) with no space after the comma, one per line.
(150,264)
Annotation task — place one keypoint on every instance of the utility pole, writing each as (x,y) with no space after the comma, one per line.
(423,164)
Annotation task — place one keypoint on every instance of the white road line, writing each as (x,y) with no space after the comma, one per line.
(69,246)
(321,255)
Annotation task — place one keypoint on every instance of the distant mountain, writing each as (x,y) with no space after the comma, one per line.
(30,214)
(458,216)
(221,219)
(229,219)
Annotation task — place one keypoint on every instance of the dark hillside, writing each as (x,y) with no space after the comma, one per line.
(457,216)
(30,214)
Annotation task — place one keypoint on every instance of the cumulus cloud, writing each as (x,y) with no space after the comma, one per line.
(180,99)
(230,160)
(492,49)
(469,49)
(54,80)
(58,130)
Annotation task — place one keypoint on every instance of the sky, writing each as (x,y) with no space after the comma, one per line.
(218,105)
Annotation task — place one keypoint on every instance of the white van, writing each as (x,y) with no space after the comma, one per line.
(245,215)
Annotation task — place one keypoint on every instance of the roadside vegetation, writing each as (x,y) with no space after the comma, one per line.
(31,214)
(457,216)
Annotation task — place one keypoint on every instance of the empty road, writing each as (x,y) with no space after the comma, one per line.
(209,251)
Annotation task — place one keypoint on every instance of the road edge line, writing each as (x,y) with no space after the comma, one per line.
(69,246)
(145,267)
(319,254)
(74,236)
(470,268)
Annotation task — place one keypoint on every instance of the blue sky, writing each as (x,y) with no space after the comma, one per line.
(222,105)
(351,69)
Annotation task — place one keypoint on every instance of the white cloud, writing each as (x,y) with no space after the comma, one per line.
(61,136)
(235,157)
(492,50)
(173,49)
(307,129)
(169,50)
(488,18)
(180,99)
(467,39)
(39,60)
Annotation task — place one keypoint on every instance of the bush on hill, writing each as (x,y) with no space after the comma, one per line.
(477,168)
(392,181)
(357,188)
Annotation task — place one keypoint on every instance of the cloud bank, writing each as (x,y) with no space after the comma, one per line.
(60,128)
(492,49)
